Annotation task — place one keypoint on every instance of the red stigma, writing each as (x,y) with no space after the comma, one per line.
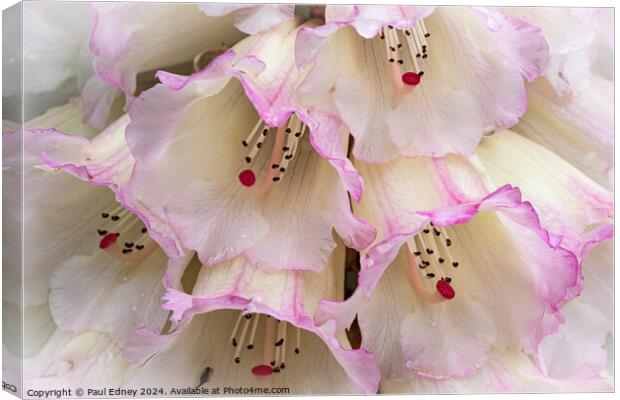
(107,241)
(262,370)
(445,289)
(410,78)
(247,177)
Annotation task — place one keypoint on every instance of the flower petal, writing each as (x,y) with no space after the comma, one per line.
(287,296)
(252,18)
(124,46)
(103,294)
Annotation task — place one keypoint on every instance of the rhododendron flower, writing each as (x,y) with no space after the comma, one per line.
(103,271)
(420,81)
(464,263)
(244,327)
(213,176)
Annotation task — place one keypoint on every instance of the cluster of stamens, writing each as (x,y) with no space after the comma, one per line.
(285,148)
(416,44)
(429,252)
(274,343)
(120,226)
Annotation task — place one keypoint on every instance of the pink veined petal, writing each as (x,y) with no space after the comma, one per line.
(124,46)
(287,296)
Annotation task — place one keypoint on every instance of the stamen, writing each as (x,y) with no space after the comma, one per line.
(244,331)
(298,341)
(233,335)
(430,297)
(250,345)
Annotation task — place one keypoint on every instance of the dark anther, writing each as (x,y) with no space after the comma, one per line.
(234,342)
(441,260)
(250,346)
(421,73)
(248,316)
(259,145)
(296,350)
(237,360)
(117,234)
(407,33)
(273,363)
(244,143)
(399,45)
(455,264)
(125,251)
(279,342)
(418,55)
(282,169)
(276,178)
(392,48)
(105,215)
(101,232)
(282,366)
(429,251)
(288,130)
(426,263)
(426,231)
(422,266)
(140,246)
(427,34)
(430,275)
(448,279)
(437,233)
(448,242)
(129,244)
(401,62)
(248,160)
(265,131)
(143,230)
(298,134)
(432,224)
(275,166)
(288,156)
(285,148)
(390,26)
(416,253)
(391,60)
(115,218)
(424,55)
(276,369)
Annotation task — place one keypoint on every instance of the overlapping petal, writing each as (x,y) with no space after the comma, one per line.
(290,297)
(472,83)
(193,152)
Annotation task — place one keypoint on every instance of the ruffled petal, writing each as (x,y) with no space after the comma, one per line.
(483,73)
(252,18)
(124,46)
(565,199)
(498,236)
(104,160)
(288,296)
